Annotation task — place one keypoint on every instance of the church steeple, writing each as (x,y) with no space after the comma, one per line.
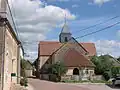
(65,34)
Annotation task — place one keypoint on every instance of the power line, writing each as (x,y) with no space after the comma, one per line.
(15,27)
(12,18)
(110,26)
(87,28)
(98,30)
(97,24)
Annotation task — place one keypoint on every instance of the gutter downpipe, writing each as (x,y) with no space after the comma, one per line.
(18,64)
(3,57)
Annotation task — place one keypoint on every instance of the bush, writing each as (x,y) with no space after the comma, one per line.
(24,82)
(106,75)
(53,78)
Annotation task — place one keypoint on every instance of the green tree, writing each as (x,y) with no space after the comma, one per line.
(118,59)
(58,69)
(23,81)
(103,65)
(23,66)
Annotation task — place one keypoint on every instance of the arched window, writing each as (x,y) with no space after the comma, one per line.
(66,39)
(75,71)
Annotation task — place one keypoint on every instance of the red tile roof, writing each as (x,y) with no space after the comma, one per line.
(48,47)
(90,47)
(73,58)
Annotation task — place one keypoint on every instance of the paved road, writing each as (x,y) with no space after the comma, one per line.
(98,87)
(45,85)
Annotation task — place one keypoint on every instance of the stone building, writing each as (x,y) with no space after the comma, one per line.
(75,55)
(10,48)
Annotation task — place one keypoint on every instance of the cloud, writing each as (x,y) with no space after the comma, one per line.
(60,0)
(111,47)
(75,6)
(100,2)
(118,33)
(34,21)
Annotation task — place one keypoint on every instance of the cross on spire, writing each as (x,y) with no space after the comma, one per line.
(65,18)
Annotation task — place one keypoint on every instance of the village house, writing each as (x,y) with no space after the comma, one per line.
(75,55)
(10,50)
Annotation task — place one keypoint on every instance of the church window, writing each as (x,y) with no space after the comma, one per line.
(66,39)
(86,71)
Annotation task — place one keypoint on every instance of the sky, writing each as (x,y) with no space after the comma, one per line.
(42,20)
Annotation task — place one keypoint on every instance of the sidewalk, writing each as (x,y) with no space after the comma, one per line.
(18,87)
(30,87)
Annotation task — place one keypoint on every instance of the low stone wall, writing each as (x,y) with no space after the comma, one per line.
(67,77)
(98,77)
(44,76)
(28,73)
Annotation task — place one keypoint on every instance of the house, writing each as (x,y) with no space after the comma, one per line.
(28,68)
(10,48)
(75,55)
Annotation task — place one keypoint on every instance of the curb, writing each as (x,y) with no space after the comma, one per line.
(84,83)
(30,87)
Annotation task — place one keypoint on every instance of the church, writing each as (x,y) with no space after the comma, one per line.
(75,55)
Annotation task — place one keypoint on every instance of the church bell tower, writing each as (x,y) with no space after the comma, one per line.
(65,34)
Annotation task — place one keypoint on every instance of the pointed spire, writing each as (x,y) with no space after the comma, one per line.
(65,28)
(65,18)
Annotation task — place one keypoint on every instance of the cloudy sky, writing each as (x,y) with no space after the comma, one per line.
(38,20)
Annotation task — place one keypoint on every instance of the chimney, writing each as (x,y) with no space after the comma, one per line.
(3,8)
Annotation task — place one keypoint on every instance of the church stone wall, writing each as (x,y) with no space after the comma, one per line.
(69,71)
(59,55)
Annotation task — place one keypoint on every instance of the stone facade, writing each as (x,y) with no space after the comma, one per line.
(9,56)
(74,55)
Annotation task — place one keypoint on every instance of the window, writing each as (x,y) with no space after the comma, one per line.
(66,39)
(86,71)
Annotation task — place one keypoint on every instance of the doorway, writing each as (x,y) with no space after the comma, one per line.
(75,71)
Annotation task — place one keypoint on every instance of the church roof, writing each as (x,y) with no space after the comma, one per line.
(47,48)
(73,58)
(65,29)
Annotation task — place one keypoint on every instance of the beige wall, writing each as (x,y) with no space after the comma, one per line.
(69,71)
(42,60)
(10,61)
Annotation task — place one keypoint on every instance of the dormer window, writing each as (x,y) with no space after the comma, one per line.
(66,39)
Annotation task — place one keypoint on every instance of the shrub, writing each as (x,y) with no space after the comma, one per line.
(24,82)
(106,75)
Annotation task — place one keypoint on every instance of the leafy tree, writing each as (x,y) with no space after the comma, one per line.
(23,81)
(23,66)
(58,69)
(115,71)
(118,59)
(103,65)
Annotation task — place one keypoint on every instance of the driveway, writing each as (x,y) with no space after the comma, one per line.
(46,85)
